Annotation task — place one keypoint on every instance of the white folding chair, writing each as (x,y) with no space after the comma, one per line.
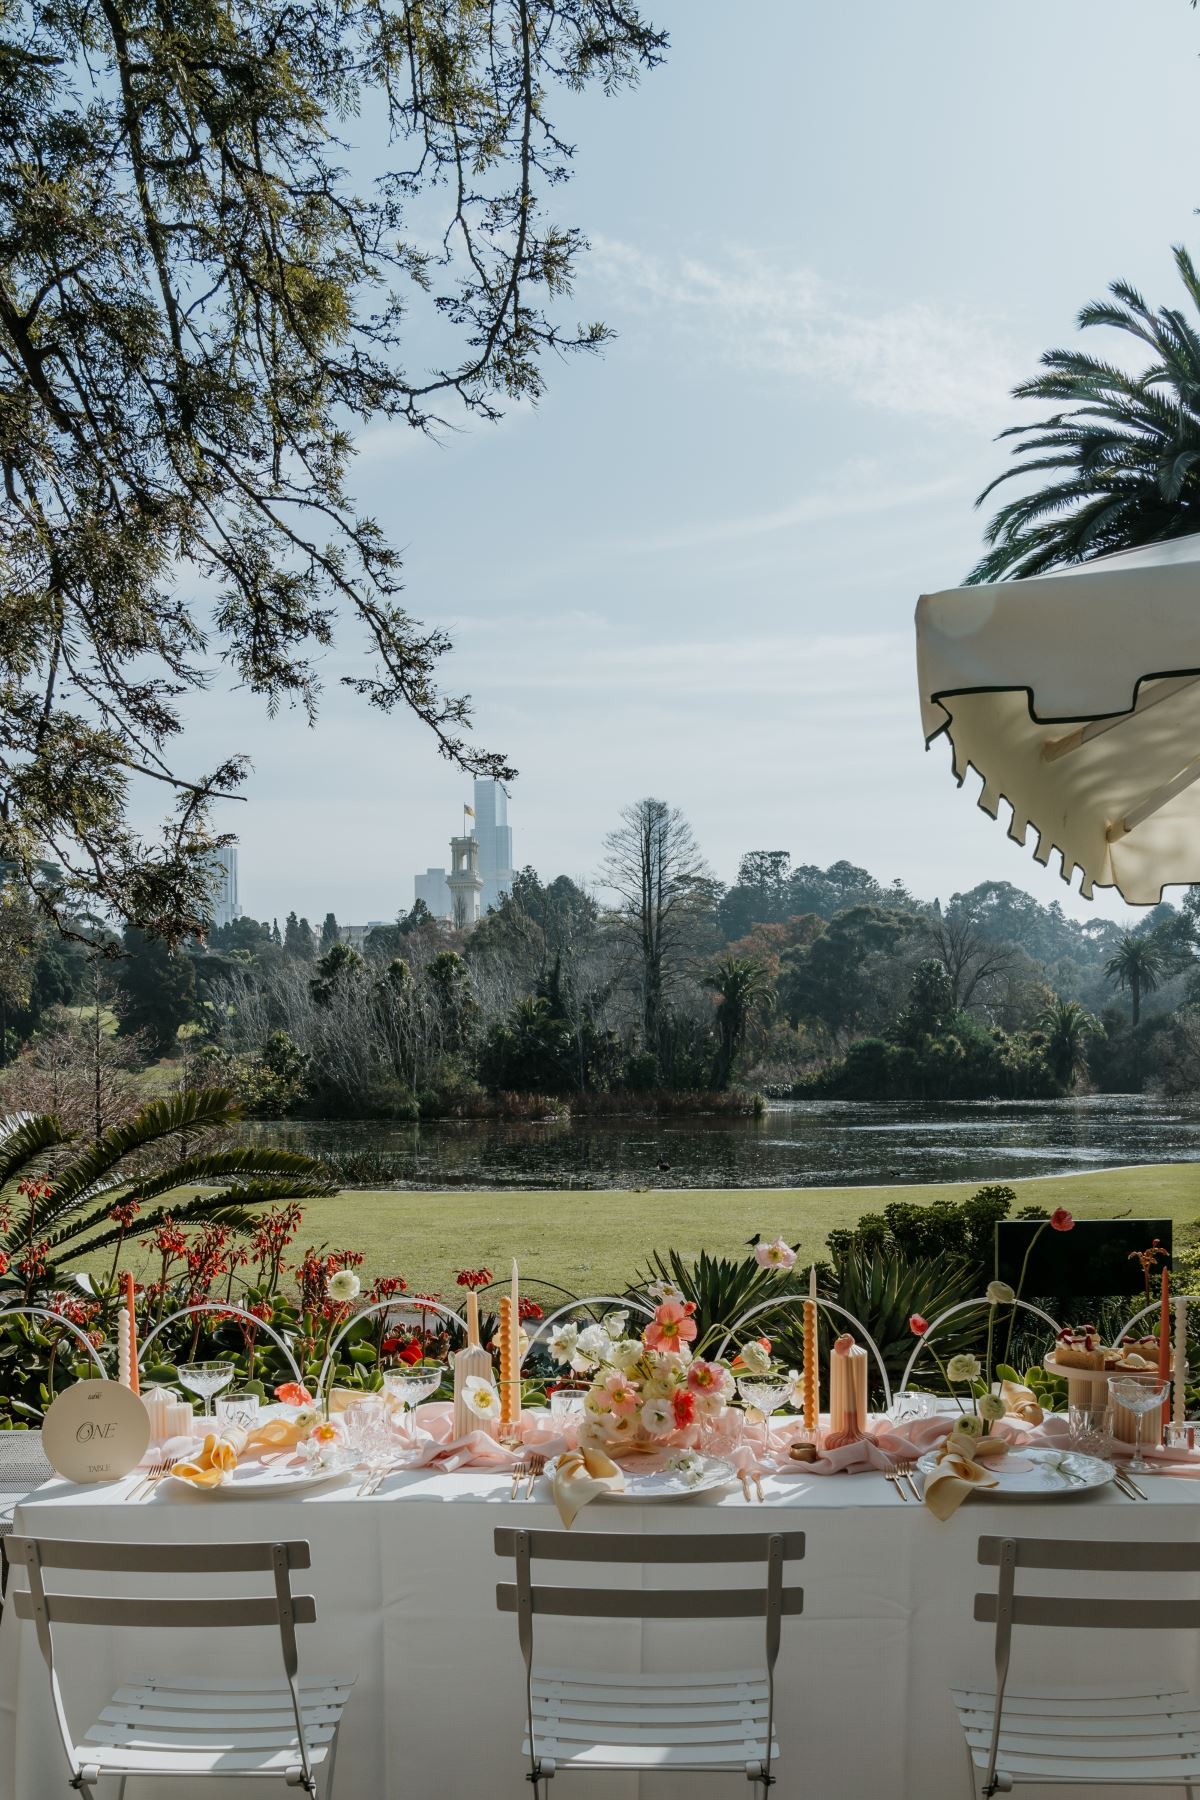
(1137,1734)
(709,1722)
(163,1725)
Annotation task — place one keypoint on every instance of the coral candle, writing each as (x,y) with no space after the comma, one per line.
(510,1355)
(847,1393)
(1180,1393)
(134,1383)
(811,1389)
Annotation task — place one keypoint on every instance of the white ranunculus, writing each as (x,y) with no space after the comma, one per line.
(964,1368)
(563,1342)
(595,1342)
(626,1354)
(999,1293)
(755,1360)
(343,1286)
(991,1406)
(658,1417)
(615,1323)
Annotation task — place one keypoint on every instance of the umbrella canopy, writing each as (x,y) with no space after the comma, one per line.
(1076,697)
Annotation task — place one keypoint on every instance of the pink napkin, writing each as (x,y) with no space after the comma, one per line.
(432,1440)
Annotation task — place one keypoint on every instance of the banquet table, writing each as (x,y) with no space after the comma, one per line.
(405,1588)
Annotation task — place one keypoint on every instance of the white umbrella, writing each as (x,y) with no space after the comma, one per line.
(1076,697)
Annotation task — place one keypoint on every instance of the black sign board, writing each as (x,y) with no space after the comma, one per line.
(1096,1257)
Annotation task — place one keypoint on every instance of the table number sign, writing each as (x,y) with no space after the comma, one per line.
(95,1431)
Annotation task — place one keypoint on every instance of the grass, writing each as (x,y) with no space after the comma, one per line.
(593,1242)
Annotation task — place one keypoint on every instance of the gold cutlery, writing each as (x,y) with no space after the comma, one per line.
(1128,1485)
(151,1476)
(756,1478)
(905,1471)
(537,1466)
(892,1476)
(519,1471)
(745,1481)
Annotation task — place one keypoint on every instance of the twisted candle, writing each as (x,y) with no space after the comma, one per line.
(811,1377)
(510,1364)
(133,1381)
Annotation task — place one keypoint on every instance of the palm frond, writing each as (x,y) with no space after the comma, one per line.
(23,1138)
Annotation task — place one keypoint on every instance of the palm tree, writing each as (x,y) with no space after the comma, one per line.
(1138,964)
(61,1201)
(1127,448)
(743,988)
(1067,1029)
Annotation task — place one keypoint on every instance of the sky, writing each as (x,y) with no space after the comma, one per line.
(829,240)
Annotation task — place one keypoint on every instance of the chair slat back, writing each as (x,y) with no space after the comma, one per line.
(159,1559)
(646,1547)
(1061,1553)
(1089,1614)
(650,1603)
(160,1614)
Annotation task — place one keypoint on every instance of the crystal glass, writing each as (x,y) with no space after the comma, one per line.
(1090,1428)
(1139,1394)
(566,1405)
(364,1424)
(412,1385)
(764,1392)
(206,1379)
(239,1408)
(1185,1436)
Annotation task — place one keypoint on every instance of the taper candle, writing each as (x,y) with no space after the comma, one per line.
(123,1349)
(134,1383)
(1164,1346)
(1180,1382)
(510,1370)
(472,1320)
(812,1401)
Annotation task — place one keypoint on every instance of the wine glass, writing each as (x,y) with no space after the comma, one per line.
(412,1385)
(206,1379)
(764,1392)
(1139,1394)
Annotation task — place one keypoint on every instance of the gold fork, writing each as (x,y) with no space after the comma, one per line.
(154,1472)
(905,1470)
(892,1476)
(519,1472)
(537,1466)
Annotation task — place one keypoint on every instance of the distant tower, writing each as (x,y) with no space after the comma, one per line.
(464,880)
(431,888)
(223,886)
(495,842)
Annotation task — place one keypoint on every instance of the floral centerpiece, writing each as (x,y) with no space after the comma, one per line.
(646,1392)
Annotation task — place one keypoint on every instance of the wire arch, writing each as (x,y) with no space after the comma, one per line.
(45,1312)
(221,1306)
(829,1306)
(543,1325)
(962,1306)
(1147,1312)
(393,1305)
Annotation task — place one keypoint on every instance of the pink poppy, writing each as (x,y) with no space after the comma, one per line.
(671,1326)
(917,1325)
(1061,1220)
(623,1397)
(705,1377)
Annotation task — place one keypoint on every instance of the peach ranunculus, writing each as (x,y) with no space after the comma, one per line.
(671,1326)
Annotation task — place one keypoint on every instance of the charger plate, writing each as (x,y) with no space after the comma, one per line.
(1038,1474)
(254,1481)
(648,1479)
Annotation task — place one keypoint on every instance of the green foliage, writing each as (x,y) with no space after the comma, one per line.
(720,1288)
(830,981)
(743,991)
(156,989)
(884,1289)
(964,1228)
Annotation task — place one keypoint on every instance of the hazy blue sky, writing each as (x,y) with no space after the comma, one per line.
(830,239)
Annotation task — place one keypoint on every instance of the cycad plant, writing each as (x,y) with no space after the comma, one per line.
(1124,447)
(58,1201)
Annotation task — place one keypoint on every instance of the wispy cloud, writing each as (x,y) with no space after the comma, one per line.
(917,357)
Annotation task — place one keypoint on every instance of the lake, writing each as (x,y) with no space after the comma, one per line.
(796,1144)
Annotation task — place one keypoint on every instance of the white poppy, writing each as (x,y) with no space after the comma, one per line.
(481,1398)
(594,1342)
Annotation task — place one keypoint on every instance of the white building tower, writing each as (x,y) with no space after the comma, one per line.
(495,842)
(464,881)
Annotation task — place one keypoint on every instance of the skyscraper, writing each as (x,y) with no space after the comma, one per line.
(494,834)
(432,889)
(224,885)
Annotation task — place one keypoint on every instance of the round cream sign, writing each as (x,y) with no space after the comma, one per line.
(95,1431)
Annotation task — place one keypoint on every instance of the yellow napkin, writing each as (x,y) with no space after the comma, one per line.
(218,1457)
(279,1434)
(962,1465)
(579,1475)
(1021,1402)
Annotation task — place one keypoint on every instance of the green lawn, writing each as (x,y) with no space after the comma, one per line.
(593,1242)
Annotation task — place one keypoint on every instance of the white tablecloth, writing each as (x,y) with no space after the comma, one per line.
(405,1584)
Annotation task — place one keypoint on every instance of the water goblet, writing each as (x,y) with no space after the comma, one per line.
(206,1379)
(1090,1428)
(412,1385)
(239,1408)
(763,1393)
(566,1405)
(1140,1394)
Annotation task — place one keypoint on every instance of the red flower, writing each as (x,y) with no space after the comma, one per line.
(917,1325)
(1061,1220)
(411,1352)
(294,1393)
(473,1278)
(684,1406)
(528,1309)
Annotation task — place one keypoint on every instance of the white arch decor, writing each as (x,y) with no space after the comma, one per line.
(45,1312)
(829,1306)
(365,1312)
(221,1306)
(963,1306)
(563,1312)
(1147,1312)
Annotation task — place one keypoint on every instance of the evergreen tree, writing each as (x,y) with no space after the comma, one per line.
(297,938)
(156,989)
(329,932)
(275,937)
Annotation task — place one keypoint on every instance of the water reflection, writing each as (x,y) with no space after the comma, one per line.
(797,1144)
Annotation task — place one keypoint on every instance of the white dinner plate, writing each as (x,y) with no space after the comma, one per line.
(647,1478)
(1038,1474)
(254,1481)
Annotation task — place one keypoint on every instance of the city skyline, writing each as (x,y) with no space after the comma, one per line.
(691,570)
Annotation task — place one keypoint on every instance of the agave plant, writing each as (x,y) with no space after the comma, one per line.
(720,1288)
(62,1202)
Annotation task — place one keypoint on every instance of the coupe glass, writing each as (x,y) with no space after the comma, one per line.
(206,1379)
(412,1385)
(764,1392)
(1140,1394)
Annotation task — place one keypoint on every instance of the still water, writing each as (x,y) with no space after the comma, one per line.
(796,1144)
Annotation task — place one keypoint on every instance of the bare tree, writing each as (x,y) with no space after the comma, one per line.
(972,960)
(662,882)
